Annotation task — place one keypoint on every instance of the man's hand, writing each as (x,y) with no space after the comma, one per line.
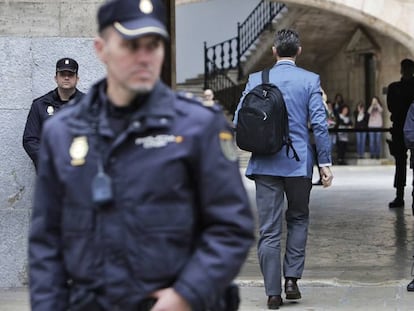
(169,300)
(326,176)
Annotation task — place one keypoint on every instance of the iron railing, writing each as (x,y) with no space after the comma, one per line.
(226,55)
(229,97)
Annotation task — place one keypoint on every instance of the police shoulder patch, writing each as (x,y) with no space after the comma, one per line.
(227,145)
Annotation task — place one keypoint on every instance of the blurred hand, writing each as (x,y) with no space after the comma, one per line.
(169,300)
(326,176)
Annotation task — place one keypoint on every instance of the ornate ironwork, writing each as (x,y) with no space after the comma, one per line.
(226,55)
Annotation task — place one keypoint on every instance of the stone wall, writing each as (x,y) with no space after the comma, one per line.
(33,35)
(52,18)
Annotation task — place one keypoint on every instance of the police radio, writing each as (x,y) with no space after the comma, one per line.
(102,187)
(101,184)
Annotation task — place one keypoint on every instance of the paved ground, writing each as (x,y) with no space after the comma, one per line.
(359,252)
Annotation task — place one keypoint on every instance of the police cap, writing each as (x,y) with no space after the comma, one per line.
(67,64)
(134,18)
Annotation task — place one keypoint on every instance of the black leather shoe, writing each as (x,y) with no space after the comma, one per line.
(410,287)
(274,302)
(397,203)
(292,289)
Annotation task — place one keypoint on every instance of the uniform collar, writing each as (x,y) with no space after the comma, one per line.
(154,110)
(156,103)
(285,62)
(57,98)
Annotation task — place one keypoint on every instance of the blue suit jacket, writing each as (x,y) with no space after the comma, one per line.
(302,93)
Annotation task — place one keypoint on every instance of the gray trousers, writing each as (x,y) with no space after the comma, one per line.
(270,192)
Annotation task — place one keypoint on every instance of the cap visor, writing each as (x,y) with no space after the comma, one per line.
(144,26)
(65,69)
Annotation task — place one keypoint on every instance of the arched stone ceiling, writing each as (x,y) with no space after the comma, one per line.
(336,19)
(393,18)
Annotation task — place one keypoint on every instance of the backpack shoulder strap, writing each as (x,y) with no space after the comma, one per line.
(288,141)
(289,146)
(265,75)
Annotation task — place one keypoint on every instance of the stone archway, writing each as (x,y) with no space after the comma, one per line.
(393,18)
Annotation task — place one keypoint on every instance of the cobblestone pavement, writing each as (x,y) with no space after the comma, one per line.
(359,252)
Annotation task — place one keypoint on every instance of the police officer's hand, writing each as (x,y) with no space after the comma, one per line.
(169,300)
(326,176)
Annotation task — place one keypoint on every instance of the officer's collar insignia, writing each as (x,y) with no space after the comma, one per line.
(227,146)
(78,150)
(146,6)
(158,141)
(50,110)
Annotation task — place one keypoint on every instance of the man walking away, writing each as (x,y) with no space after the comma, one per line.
(278,175)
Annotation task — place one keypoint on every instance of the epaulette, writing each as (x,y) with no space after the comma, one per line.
(190,97)
(187,96)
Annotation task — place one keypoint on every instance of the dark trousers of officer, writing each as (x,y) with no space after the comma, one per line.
(399,151)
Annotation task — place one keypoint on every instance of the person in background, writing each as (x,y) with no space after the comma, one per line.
(361,123)
(332,121)
(139,203)
(278,175)
(375,111)
(344,122)
(208,97)
(209,100)
(410,286)
(399,97)
(47,105)
(338,102)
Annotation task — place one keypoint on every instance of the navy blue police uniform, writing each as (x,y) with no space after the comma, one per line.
(42,109)
(178,215)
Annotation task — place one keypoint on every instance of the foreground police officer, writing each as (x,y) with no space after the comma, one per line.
(45,106)
(139,203)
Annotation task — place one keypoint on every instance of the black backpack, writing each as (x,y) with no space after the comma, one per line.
(262,121)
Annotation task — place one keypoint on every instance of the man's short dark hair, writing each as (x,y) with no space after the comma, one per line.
(287,43)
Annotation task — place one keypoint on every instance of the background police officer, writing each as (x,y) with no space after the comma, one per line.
(45,106)
(139,202)
(399,97)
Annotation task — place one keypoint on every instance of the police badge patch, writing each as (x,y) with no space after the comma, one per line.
(227,146)
(146,6)
(50,110)
(78,150)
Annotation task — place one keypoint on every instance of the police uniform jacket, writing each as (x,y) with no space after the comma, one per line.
(302,94)
(179,215)
(42,108)
(400,95)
